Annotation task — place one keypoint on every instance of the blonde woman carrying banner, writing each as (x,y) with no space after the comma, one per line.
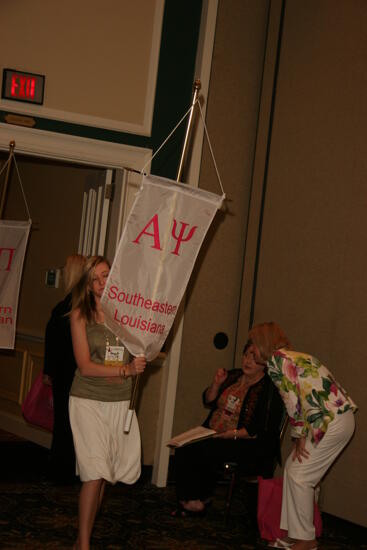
(99,400)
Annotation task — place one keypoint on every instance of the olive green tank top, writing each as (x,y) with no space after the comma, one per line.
(97,387)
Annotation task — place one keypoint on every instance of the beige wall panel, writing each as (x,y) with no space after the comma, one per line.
(213,293)
(85,50)
(259,173)
(312,264)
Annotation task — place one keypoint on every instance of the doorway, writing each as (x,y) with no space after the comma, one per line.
(55,194)
(66,156)
(70,213)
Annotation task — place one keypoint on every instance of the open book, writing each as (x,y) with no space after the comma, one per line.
(195,434)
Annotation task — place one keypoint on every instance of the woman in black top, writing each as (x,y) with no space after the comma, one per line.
(246,413)
(58,370)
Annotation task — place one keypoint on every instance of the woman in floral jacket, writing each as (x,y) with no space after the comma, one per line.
(322,423)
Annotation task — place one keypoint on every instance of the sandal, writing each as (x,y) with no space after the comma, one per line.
(281,543)
(181,512)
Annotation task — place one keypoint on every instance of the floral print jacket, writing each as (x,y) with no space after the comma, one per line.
(310,393)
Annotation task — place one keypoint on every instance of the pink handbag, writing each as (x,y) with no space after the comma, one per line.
(37,408)
(269,507)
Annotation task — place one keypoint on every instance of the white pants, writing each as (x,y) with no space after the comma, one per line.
(103,450)
(300,478)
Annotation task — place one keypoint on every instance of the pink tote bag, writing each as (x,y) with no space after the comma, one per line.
(269,508)
(37,408)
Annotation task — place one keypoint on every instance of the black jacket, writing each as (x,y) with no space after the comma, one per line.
(59,361)
(262,410)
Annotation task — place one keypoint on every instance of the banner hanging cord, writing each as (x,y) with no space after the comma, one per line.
(165,141)
(211,149)
(207,137)
(21,187)
(5,165)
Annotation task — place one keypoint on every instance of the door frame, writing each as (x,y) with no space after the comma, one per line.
(70,149)
(65,147)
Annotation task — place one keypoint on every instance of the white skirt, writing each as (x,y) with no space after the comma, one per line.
(103,450)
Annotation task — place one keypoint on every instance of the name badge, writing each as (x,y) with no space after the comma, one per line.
(114,355)
(232,403)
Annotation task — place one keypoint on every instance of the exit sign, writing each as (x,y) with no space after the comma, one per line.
(21,86)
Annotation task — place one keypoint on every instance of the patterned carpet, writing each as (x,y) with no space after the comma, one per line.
(37,514)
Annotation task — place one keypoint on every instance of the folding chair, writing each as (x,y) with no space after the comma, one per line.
(232,470)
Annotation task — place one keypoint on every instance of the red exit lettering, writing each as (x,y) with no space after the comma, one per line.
(23,86)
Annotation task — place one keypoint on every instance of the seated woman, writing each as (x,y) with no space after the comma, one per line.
(246,412)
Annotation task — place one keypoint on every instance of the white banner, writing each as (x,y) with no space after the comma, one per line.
(157,251)
(13,243)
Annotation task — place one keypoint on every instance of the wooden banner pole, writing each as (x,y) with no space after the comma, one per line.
(7,177)
(197,86)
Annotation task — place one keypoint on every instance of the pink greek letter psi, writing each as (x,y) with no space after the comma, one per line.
(180,238)
(153,226)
